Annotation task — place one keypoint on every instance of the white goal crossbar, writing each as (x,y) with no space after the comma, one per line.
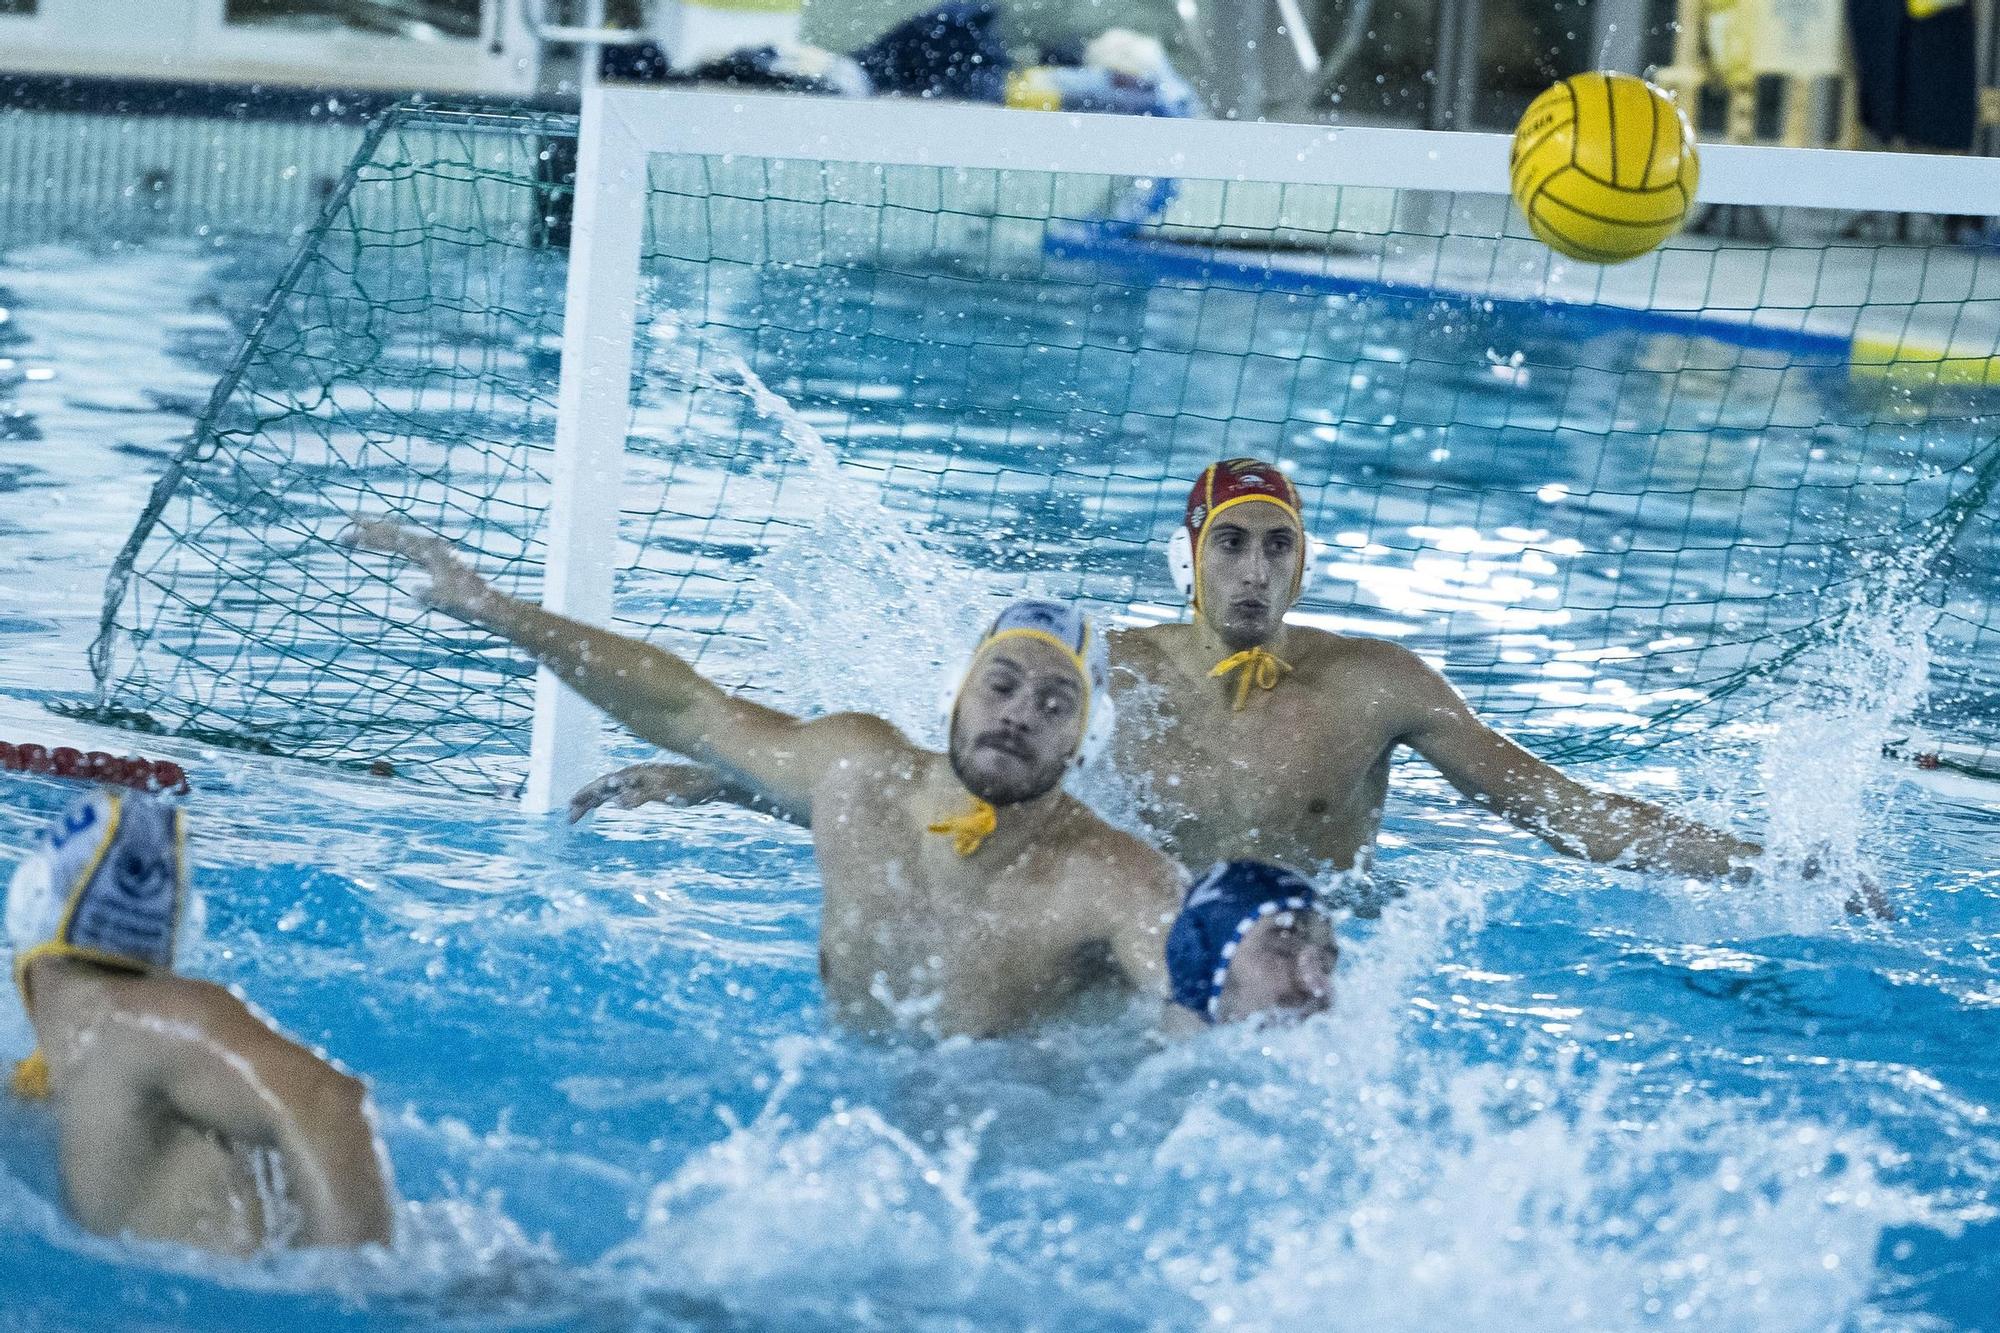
(623,127)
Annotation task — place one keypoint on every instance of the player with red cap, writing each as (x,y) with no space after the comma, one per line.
(1273,740)
(1245,736)
(1246,619)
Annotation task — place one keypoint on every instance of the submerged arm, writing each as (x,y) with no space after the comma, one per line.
(666,784)
(656,694)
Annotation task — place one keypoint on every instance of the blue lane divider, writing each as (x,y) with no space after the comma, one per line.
(1117,244)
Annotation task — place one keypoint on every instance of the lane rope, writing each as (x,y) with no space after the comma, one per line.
(65,761)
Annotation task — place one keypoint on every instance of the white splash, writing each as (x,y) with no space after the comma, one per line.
(1821,764)
(858,583)
(757,1221)
(1508,1201)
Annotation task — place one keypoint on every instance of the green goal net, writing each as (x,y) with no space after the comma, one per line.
(1617,506)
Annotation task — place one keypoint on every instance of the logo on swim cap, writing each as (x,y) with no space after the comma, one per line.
(106,884)
(1232,480)
(1067,627)
(1065,622)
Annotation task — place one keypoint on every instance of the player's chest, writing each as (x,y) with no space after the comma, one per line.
(912,952)
(889,875)
(1272,759)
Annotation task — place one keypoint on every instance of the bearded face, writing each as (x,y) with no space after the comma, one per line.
(1017,723)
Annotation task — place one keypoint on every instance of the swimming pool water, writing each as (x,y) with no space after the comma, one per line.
(1551,1096)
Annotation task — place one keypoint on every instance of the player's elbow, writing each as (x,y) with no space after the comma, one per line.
(330,1103)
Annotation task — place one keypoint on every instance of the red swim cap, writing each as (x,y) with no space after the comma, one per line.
(1223,484)
(1233,481)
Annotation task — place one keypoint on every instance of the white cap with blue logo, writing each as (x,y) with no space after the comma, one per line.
(107,885)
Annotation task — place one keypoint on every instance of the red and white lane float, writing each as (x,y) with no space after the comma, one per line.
(66,761)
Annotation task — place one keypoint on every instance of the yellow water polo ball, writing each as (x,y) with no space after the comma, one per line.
(1604,167)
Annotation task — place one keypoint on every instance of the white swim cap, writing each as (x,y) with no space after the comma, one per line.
(107,884)
(1132,55)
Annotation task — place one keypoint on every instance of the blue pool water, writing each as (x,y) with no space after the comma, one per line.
(1551,1096)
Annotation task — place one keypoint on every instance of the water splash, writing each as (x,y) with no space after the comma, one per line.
(1821,765)
(857,583)
(458,1254)
(756,1222)
(1526,1201)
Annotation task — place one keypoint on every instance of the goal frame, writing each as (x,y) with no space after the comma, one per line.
(624,126)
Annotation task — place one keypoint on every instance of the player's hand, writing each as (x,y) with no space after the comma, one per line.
(644,784)
(1868,899)
(455,588)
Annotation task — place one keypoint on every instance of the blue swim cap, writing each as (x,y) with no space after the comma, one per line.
(1218,912)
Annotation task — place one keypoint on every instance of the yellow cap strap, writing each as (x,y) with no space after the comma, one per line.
(1259,668)
(969,830)
(31,1077)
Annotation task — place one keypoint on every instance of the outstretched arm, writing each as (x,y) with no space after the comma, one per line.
(659,696)
(664,784)
(1581,820)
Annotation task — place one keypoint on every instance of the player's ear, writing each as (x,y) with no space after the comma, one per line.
(1309,551)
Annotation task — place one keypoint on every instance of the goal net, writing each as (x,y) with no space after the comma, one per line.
(891,363)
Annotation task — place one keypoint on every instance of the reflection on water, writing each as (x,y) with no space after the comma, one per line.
(1550,1095)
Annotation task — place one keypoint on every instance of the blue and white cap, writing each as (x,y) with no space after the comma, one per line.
(106,884)
(1219,910)
(1067,629)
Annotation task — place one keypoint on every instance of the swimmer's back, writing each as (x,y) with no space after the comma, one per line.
(182,1116)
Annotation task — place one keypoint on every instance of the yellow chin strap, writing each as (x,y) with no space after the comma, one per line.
(1259,668)
(969,830)
(31,1078)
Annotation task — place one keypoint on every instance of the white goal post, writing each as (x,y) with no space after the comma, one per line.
(623,127)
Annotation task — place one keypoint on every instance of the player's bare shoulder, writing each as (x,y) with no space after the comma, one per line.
(1136,655)
(1378,664)
(864,735)
(1117,865)
(1394,685)
(861,751)
(147,1015)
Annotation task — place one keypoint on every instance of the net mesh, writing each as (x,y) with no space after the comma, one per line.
(1616,506)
